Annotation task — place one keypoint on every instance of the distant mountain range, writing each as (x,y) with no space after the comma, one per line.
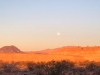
(10,49)
(62,50)
(73,49)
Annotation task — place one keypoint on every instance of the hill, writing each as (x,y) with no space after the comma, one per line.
(10,49)
(72,53)
(71,49)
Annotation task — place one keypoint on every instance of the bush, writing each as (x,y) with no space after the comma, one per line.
(53,68)
(57,67)
(92,66)
(31,66)
(7,67)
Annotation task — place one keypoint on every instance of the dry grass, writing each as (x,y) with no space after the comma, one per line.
(73,54)
(46,57)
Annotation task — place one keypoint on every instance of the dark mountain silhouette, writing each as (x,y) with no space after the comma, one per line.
(10,49)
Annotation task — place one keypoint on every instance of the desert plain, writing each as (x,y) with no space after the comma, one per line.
(72,53)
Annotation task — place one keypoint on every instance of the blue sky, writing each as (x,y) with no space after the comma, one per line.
(33,24)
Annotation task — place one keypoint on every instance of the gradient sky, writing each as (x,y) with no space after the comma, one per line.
(33,24)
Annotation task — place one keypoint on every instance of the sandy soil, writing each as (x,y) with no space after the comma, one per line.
(69,53)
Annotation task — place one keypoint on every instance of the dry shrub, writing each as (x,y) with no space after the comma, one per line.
(9,67)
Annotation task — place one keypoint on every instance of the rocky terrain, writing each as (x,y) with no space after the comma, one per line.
(10,49)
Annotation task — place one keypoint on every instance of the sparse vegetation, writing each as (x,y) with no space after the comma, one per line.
(8,67)
(50,68)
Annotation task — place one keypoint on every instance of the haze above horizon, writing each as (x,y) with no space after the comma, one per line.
(45,24)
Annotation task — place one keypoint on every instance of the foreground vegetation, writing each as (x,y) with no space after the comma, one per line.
(50,68)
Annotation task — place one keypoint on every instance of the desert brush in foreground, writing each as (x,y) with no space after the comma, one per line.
(50,68)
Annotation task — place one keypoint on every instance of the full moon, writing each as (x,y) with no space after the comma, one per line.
(58,33)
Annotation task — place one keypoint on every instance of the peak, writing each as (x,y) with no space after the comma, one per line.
(10,46)
(10,49)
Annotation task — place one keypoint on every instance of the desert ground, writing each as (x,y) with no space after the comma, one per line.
(75,54)
(27,63)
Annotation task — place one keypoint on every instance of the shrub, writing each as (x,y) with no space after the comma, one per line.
(57,67)
(92,66)
(31,66)
(7,67)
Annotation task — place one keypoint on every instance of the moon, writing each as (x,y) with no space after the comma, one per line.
(58,33)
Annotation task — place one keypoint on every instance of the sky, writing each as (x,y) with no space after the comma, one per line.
(33,25)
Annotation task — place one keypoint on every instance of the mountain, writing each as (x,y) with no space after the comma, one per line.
(10,49)
(44,51)
(71,49)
